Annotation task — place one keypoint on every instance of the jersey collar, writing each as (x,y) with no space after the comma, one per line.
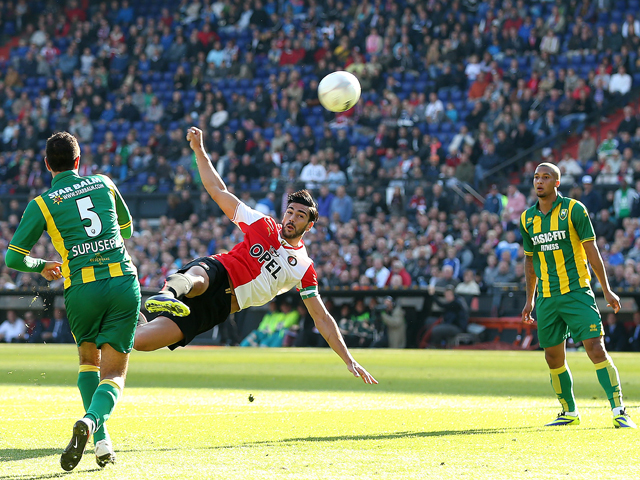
(287,245)
(61,176)
(553,206)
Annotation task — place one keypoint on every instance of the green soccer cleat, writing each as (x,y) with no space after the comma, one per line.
(72,455)
(563,419)
(104,453)
(623,421)
(166,303)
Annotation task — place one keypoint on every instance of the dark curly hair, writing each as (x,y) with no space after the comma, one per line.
(303,197)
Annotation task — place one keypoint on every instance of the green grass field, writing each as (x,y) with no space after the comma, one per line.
(435,414)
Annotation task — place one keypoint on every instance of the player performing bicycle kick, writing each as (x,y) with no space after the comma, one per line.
(270,261)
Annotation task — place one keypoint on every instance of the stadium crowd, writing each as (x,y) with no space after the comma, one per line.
(451,90)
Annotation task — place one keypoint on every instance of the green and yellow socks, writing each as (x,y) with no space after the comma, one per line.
(88,381)
(562,383)
(103,402)
(610,380)
(98,397)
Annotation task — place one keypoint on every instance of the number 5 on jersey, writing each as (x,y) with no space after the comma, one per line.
(85,206)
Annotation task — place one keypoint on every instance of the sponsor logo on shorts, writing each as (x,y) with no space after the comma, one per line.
(593,327)
(293,261)
(203,265)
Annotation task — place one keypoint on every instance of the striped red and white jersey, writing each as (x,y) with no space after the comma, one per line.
(264,265)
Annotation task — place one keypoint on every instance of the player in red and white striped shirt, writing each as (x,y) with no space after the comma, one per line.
(270,261)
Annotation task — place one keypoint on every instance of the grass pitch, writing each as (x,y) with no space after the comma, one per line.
(435,414)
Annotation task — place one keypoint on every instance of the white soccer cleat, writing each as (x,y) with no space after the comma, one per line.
(104,453)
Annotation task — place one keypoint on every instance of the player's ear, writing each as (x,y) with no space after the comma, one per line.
(557,183)
(46,164)
(76,163)
(309,226)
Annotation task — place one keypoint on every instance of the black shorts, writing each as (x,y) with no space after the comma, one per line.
(209,309)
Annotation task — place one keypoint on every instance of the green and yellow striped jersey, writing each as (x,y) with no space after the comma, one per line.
(87,220)
(555,242)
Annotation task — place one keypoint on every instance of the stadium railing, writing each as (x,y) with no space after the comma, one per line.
(500,319)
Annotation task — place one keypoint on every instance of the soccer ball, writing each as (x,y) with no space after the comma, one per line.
(339,91)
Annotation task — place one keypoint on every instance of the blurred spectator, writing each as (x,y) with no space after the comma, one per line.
(378,272)
(58,330)
(13,328)
(616,338)
(570,169)
(494,201)
(356,326)
(266,330)
(516,204)
(341,205)
(33,328)
(629,123)
(620,83)
(455,316)
(468,286)
(395,329)
(590,198)
(313,173)
(623,199)
(634,339)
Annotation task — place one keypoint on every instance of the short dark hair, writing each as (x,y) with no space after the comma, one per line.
(554,169)
(61,151)
(303,197)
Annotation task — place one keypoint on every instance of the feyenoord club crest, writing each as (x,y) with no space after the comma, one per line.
(293,261)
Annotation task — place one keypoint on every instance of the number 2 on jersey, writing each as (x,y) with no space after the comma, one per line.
(84,207)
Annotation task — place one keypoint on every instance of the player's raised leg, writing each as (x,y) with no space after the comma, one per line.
(189,284)
(159,333)
(609,380)
(562,383)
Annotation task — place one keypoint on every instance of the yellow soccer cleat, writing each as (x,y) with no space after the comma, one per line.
(623,421)
(563,419)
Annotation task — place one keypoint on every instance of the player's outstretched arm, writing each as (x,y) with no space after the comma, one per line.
(595,260)
(328,328)
(211,180)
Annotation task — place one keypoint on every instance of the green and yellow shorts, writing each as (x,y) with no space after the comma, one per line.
(573,314)
(104,311)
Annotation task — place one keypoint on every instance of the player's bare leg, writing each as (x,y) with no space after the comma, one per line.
(595,349)
(156,334)
(555,356)
(190,284)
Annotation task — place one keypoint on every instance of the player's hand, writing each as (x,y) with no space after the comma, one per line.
(358,371)
(526,313)
(51,271)
(613,301)
(194,137)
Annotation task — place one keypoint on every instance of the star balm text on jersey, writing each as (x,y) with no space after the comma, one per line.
(77,186)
